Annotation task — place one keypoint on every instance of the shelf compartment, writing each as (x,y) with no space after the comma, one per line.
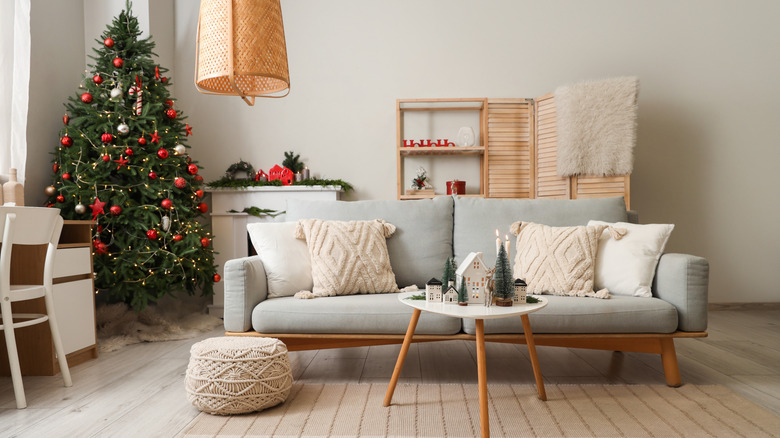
(444,150)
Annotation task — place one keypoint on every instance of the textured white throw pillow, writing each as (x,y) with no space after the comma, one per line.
(285,258)
(348,257)
(627,266)
(557,260)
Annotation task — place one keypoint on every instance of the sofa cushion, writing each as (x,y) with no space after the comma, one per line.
(618,314)
(423,238)
(347,314)
(276,245)
(557,260)
(348,257)
(476,219)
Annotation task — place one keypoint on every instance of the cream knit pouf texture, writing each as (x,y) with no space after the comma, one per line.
(237,375)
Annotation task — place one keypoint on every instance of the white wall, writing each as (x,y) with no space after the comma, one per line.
(709,102)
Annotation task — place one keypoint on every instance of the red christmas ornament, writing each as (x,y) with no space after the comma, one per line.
(152,175)
(169,103)
(108,42)
(179,182)
(106,137)
(86,98)
(198,178)
(97,79)
(199,193)
(166,204)
(155,137)
(60,198)
(66,119)
(122,161)
(170,113)
(178,237)
(217,277)
(162,153)
(115,210)
(151,234)
(188,128)
(118,62)
(164,79)
(66,141)
(100,229)
(205,242)
(55,167)
(129,151)
(66,175)
(157,72)
(203,207)
(100,247)
(106,158)
(97,207)
(141,141)
(192,169)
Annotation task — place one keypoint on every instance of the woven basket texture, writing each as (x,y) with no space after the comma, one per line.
(236,375)
(259,49)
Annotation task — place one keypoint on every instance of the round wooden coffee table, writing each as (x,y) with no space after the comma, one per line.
(479,314)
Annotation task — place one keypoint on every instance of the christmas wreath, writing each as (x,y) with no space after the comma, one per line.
(241,166)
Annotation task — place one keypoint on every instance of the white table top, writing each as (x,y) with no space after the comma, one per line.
(471,311)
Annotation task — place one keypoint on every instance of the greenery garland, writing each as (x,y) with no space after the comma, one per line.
(244,183)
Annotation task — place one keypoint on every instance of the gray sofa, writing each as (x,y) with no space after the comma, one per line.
(429,231)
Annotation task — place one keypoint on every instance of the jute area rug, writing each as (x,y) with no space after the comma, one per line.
(355,410)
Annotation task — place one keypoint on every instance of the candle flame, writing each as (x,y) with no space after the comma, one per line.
(496,233)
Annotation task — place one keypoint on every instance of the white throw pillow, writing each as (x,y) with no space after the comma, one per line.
(627,266)
(285,258)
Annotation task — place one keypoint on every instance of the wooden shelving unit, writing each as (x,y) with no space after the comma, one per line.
(477,105)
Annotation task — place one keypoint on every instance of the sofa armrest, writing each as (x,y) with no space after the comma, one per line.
(682,280)
(245,288)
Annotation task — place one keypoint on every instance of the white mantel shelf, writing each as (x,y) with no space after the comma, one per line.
(229,229)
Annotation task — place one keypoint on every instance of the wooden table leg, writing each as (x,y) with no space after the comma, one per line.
(399,364)
(484,419)
(529,341)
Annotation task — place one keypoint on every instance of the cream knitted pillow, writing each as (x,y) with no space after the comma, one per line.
(348,257)
(557,260)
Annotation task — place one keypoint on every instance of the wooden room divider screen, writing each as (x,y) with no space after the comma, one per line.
(520,152)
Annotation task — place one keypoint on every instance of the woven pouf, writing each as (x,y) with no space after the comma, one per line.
(236,375)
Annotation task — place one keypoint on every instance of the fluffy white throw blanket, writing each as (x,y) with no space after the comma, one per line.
(597,127)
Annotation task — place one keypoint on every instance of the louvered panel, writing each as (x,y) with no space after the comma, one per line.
(548,183)
(509,148)
(603,187)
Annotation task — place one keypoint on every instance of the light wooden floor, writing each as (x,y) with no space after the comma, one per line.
(139,391)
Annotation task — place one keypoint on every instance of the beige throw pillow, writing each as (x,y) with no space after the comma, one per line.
(348,257)
(557,260)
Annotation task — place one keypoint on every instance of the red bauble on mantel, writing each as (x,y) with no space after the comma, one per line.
(180,182)
(166,204)
(205,242)
(203,207)
(151,234)
(97,79)
(192,169)
(66,141)
(86,97)
(106,137)
(118,62)
(115,210)
(108,42)
(162,153)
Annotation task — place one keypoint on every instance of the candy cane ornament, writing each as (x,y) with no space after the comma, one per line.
(136,90)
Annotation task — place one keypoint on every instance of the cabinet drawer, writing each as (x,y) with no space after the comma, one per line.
(74,307)
(72,261)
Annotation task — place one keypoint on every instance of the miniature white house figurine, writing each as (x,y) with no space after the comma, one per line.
(474,272)
(520,291)
(451,294)
(433,290)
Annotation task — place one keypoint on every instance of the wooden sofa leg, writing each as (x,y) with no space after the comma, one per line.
(669,360)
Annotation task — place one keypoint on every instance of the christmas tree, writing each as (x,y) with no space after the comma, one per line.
(450,267)
(122,161)
(503,283)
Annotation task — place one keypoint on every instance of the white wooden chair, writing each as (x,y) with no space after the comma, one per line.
(28,226)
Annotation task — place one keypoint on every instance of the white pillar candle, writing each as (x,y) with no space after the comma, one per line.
(506,244)
(498,242)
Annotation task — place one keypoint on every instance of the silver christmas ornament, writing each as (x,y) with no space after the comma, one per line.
(50,191)
(166,223)
(123,129)
(116,93)
(180,149)
(80,208)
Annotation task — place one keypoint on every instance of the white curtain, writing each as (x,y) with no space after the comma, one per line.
(14,84)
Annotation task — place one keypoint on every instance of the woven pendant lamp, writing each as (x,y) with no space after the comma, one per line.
(241,49)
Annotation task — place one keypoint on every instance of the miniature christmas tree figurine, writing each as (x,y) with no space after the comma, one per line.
(421,181)
(503,283)
(463,294)
(449,271)
(122,162)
